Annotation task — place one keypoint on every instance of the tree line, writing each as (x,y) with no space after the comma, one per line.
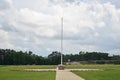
(12,57)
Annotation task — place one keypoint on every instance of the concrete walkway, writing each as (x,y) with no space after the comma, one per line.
(66,75)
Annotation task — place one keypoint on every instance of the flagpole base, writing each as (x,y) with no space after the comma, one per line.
(61,67)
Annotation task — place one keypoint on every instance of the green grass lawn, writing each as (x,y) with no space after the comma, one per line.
(16,73)
(110,72)
(106,66)
(100,75)
(29,67)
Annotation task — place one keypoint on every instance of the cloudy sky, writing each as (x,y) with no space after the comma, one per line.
(89,25)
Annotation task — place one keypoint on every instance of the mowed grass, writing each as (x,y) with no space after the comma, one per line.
(21,67)
(106,66)
(17,73)
(108,72)
(100,75)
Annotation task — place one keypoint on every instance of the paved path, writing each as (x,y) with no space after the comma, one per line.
(38,70)
(66,75)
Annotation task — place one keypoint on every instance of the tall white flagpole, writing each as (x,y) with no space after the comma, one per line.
(61,66)
(61,40)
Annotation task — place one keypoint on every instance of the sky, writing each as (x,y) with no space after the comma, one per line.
(34,25)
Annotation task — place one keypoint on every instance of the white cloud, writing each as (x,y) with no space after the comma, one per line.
(3,34)
(5,4)
(90,26)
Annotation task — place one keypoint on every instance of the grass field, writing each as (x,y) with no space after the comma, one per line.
(100,75)
(109,72)
(106,66)
(16,73)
